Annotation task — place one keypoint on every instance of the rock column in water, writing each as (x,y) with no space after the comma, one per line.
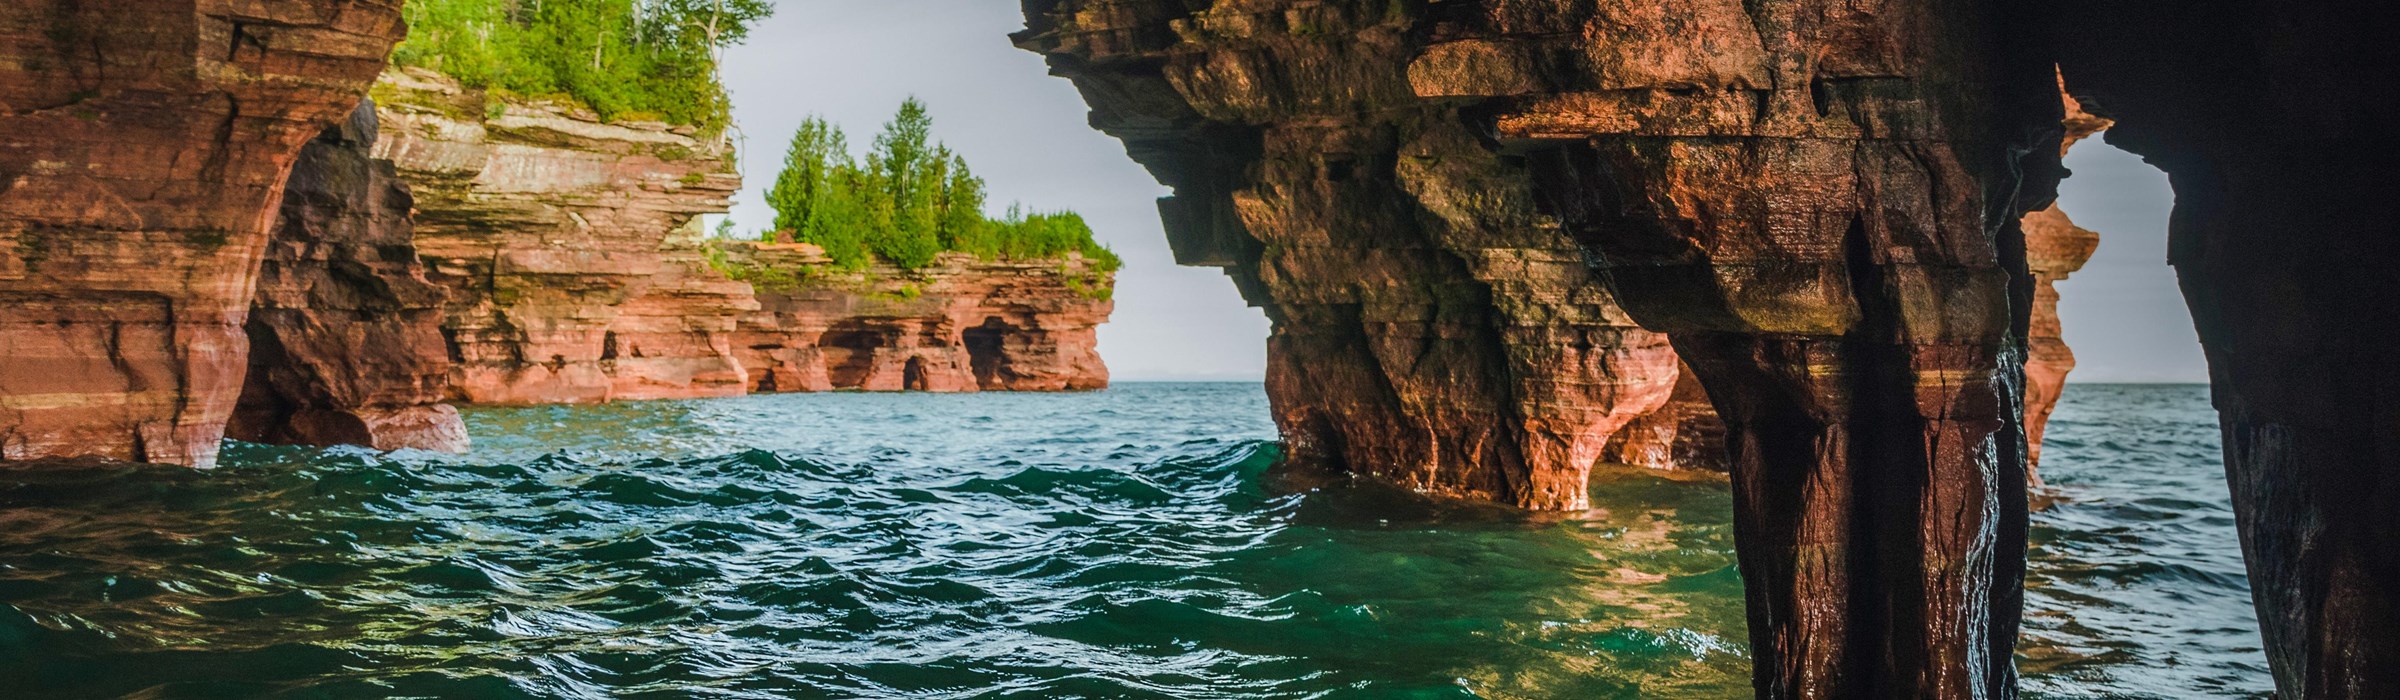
(1820,204)
(2275,122)
(143,148)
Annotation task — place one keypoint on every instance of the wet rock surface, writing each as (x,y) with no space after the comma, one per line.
(345,331)
(145,147)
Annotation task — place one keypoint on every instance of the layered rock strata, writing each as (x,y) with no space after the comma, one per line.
(143,146)
(1820,206)
(961,324)
(2274,122)
(1430,327)
(571,247)
(345,331)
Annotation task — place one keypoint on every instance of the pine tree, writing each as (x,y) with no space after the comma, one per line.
(908,201)
(819,152)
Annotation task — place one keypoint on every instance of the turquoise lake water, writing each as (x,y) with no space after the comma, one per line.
(1119,544)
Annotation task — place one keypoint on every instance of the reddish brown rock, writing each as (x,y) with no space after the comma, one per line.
(2274,122)
(570,246)
(345,331)
(960,324)
(2054,248)
(1819,204)
(143,147)
(1430,327)
(1683,434)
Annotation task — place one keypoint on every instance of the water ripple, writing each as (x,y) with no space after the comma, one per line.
(1122,544)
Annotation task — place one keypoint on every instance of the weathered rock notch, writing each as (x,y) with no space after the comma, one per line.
(146,146)
(1430,327)
(345,331)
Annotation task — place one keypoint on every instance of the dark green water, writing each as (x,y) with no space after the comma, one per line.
(1124,544)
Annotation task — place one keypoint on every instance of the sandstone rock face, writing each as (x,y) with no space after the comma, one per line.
(1818,207)
(1683,434)
(2054,248)
(2274,121)
(570,247)
(961,324)
(345,331)
(143,146)
(1430,326)
(1819,204)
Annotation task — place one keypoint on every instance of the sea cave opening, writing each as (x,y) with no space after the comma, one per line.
(986,356)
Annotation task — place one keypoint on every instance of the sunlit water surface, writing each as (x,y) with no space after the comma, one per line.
(1122,544)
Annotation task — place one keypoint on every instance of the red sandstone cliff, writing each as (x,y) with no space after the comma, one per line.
(1817,202)
(578,273)
(569,246)
(961,324)
(1430,327)
(345,331)
(2054,248)
(143,147)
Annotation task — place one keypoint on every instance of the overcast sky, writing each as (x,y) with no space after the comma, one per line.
(1025,133)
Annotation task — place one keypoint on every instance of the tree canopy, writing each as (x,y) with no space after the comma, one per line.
(908,201)
(626,59)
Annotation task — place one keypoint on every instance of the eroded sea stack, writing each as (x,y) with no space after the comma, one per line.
(1818,206)
(2054,248)
(578,272)
(143,148)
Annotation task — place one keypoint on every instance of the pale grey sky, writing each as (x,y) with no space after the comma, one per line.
(1025,133)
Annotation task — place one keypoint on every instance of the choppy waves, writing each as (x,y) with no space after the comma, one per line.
(1123,544)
